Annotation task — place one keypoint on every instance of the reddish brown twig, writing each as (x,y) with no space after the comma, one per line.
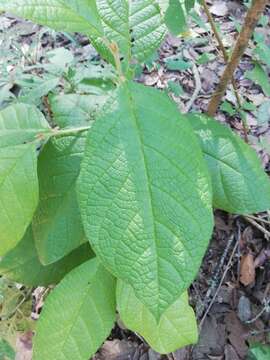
(251,20)
(225,57)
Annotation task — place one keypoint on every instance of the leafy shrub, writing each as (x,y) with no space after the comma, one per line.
(138,183)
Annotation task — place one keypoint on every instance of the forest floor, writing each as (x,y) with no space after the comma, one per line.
(231,294)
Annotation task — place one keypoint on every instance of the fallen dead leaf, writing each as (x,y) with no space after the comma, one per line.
(24,346)
(230,353)
(236,334)
(247,269)
(219,8)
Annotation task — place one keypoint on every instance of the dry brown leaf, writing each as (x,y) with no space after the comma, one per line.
(247,269)
(219,8)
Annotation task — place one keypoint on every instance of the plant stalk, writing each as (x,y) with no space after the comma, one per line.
(226,59)
(59,132)
(251,20)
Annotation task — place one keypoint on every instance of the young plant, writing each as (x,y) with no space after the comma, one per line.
(137,185)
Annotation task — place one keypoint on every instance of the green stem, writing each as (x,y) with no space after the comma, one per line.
(70,131)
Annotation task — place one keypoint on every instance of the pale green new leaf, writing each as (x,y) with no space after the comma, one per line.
(57,222)
(18,193)
(20,123)
(22,264)
(144,195)
(239,182)
(136,26)
(62,15)
(77,316)
(176,328)
(76,110)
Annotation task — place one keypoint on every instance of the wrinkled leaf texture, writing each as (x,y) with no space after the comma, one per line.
(144,195)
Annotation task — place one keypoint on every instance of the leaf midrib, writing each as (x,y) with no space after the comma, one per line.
(150,195)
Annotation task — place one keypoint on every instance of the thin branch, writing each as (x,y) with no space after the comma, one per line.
(198,86)
(258,226)
(225,57)
(251,20)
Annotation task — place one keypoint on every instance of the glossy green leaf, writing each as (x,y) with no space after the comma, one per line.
(239,182)
(18,192)
(76,110)
(77,316)
(20,123)
(22,264)
(57,223)
(63,15)
(175,18)
(136,26)
(176,328)
(144,195)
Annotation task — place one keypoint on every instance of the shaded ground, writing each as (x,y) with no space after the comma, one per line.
(231,295)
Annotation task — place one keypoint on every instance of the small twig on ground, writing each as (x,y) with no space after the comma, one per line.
(198,86)
(226,59)
(251,20)
(258,226)
(256,218)
(220,284)
(214,281)
(258,332)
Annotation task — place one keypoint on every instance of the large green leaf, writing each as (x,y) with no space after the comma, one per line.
(21,123)
(57,223)
(75,109)
(240,184)
(136,26)
(77,316)
(176,328)
(18,192)
(22,264)
(63,15)
(144,195)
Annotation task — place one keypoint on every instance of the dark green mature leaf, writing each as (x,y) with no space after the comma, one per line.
(177,326)
(136,26)
(20,123)
(18,192)
(57,223)
(144,196)
(239,183)
(63,15)
(77,316)
(76,110)
(175,18)
(22,264)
